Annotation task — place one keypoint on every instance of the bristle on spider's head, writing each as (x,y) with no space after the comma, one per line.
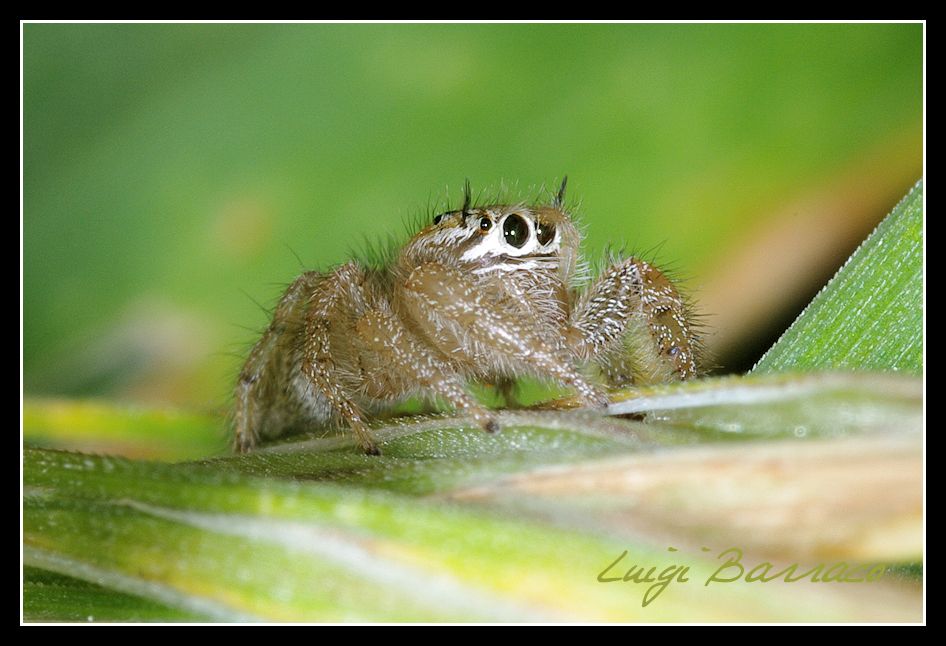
(467,198)
(559,200)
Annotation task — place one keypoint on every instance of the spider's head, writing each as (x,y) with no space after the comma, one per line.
(505,237)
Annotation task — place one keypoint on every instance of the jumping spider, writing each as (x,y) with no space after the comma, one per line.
(485,293)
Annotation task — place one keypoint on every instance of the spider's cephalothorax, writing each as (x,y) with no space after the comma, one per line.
(483,293)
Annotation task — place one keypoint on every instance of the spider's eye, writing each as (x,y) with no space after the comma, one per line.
(545,233)
(516,230)
(438,218)
(485,224)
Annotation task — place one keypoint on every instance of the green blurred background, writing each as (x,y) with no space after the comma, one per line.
(173,173)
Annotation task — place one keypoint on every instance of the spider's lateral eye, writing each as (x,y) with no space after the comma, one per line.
(485,224)
(544,232)
(516,230)
(438,218)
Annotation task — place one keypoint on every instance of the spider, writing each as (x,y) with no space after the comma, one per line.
(488,293)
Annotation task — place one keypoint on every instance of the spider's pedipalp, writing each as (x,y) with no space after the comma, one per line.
(634,324)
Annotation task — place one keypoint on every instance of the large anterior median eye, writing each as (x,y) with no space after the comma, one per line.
(544,233)
(516,230)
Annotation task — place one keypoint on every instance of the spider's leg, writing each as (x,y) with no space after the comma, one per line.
(326,349)
(397,362)
(442,299)
(260,395)
(635,325)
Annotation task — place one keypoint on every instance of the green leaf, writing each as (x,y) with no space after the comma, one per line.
(454,524)
(870,316)
(53,597)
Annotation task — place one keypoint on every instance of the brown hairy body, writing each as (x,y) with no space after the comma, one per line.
(487,293)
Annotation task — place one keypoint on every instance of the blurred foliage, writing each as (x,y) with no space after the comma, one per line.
(169,169)
(132,431)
